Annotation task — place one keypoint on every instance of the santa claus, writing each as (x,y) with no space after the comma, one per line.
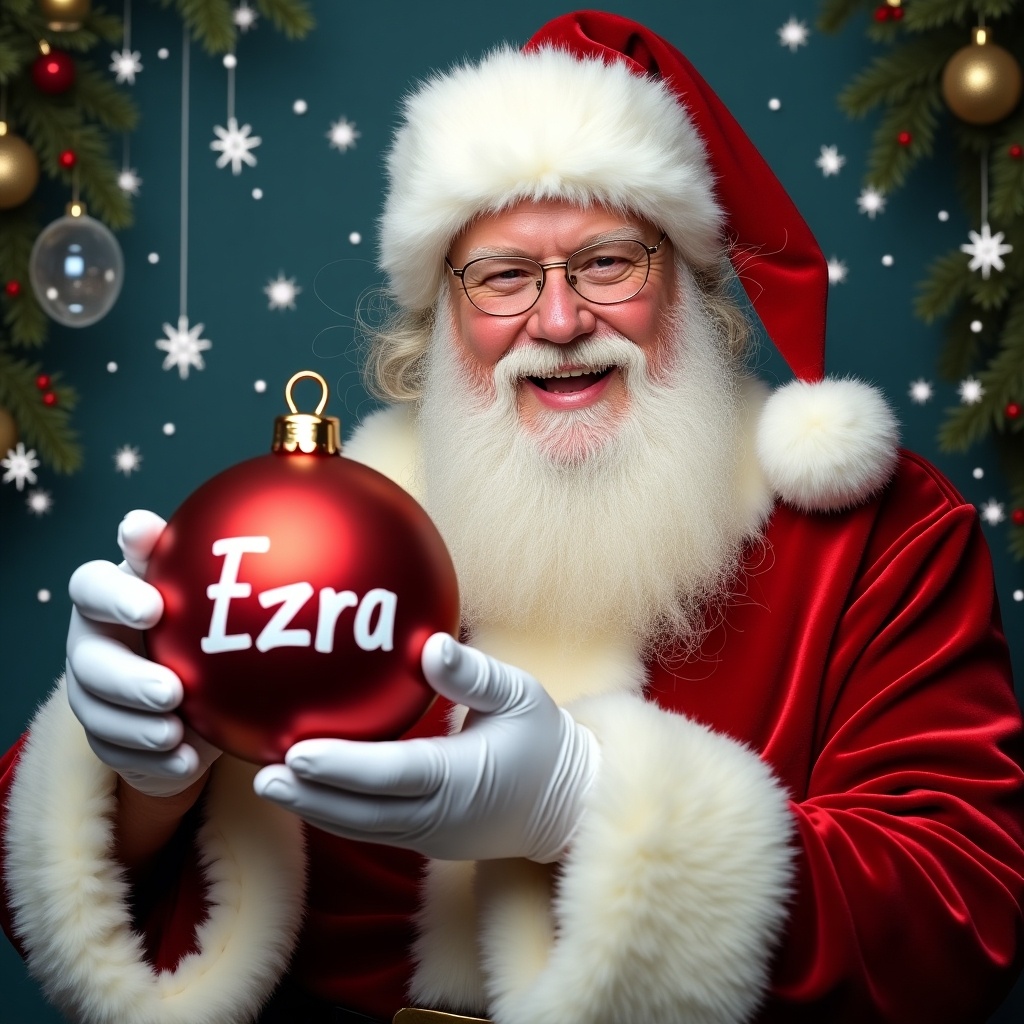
(732,735)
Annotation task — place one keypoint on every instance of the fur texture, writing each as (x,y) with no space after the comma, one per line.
(70,897)
(471,142)
(828,445)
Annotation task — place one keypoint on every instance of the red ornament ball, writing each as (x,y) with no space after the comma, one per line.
(883,13)
(897,13)
(904,138)
(1017,515)
(1012,410)
(67,159)
(53,72)
(299,590)
(1016,151)
(13,289)
(43,381)
(50,398)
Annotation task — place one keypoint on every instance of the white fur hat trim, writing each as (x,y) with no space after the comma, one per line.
(539,125)
(828,445)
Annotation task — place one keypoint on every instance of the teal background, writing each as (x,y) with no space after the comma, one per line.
(357,64)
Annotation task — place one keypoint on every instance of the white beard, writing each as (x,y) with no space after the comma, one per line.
(590,527)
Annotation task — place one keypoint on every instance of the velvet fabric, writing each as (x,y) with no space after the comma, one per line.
(862,658)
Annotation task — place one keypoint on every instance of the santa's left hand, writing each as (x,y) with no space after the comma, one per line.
(510,784)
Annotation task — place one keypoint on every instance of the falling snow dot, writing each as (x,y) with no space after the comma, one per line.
(257,193)
(43,595)
(943,215)
(169,429)
(355,238)
(976,326)
(978,473)
(153,257)
(111,367)
(230,60)
(1018,595)
(260,386)
(300,106)
(887,260)
(774,104)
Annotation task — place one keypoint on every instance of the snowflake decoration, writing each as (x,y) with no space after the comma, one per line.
(921,391)
(126,64)
(234,144)
(986,250)
(837,271)
(793,34)
(281,292)
(39,502)
(830,161)
(244,17)
(871,201)
(127,460)
(183,346)
(20,465)
(971,391)
(992,512)
(128,181)
(343,134)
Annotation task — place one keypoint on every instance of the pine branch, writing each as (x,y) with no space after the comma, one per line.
(292,18)
(1006,181)
(835,13)
(922,15)
(943,288)
(890,162)
(962,345)
(209,22)
(102,101)
(23,315)
(44,428)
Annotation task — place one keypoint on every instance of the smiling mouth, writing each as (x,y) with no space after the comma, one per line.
(568,382)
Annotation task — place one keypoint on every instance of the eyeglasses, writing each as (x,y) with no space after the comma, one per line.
(605,273)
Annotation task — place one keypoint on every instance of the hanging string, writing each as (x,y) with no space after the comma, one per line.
(126,33)
(984,186)
(183,271)
(229,62)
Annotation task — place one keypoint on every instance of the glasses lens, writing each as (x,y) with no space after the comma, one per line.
(502,285)
(610,271)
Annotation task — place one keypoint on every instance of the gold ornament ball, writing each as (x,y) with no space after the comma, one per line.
(8,431)
(64,15)
(19,171)
(982,83)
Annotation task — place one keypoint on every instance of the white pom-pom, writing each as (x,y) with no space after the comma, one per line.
(827,445)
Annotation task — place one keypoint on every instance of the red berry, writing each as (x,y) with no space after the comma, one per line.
(1016,151)
(43,381)
(13,288)
(897,13)
(904,138)
(50,398)
(1013,410)
(882,13)
(1017,515)
(67,159)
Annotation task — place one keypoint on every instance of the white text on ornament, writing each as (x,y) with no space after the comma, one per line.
(373,626)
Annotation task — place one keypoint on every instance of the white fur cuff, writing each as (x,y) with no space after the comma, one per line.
(70,897)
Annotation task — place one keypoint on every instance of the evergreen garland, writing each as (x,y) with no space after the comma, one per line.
(905,82)
(88,118)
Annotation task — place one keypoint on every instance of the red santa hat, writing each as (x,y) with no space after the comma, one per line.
(598,109)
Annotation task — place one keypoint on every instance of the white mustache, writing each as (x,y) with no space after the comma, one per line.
(591,356)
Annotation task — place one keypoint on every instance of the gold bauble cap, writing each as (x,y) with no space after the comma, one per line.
(303,431)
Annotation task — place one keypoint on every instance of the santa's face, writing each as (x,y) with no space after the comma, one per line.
(551,337)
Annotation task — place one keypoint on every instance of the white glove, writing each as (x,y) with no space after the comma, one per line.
(510,784)
(124,701)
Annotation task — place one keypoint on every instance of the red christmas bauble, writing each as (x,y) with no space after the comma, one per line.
(43,381)
(13,288)
(1017,515)
(1013,410)
(53,72)
(299,590)
(67,159)
(50,398)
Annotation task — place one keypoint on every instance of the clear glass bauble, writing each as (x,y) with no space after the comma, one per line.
(76,269)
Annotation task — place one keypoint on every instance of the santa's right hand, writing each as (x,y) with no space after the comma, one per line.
(125,702)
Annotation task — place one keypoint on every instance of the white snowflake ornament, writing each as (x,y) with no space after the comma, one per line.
(235,145)
(837,271)
(129,182)
(20,465)
(971,391)
(992,512)
(830,160)
(39,502)
(986,250)
(126,64)
(793,34)
(127,460)
(281,292)
(921,391)
(184,347)
(244,17)
(871,202)
(343,135)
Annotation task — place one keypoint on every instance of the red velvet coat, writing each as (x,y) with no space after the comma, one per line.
(864,663)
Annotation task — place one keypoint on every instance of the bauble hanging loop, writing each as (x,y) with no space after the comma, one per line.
(64,15)
(982,83)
